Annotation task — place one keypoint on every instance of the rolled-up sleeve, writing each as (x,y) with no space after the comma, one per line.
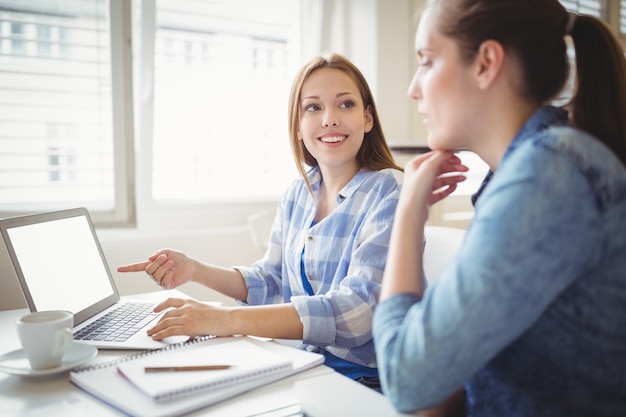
(342,258)
(339,317)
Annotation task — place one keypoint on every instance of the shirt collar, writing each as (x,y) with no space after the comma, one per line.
(543,118)
(315,178)
(540,120)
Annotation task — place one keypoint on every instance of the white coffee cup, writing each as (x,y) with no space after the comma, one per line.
(45,336)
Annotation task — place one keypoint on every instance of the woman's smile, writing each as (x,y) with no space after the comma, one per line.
(333,138)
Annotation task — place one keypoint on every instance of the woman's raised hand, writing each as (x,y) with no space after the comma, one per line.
(168,268)
(429,178)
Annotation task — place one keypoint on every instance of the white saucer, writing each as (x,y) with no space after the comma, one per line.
(16,363)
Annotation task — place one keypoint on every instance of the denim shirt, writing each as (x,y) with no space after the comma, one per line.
(531,314)
(343,257)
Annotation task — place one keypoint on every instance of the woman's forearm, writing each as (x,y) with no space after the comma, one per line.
(404,270)
(227,281)
(279,321)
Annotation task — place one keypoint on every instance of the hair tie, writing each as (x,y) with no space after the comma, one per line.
(571,21)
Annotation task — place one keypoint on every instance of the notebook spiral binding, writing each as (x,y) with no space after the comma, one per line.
(142,353)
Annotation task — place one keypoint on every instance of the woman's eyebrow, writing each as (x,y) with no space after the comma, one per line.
(421,51)
(346,93)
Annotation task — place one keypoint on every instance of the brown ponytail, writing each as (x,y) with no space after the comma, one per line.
(599,102)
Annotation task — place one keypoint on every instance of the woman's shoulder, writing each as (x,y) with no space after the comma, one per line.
(387,177)
(567,156)
(579,145)
(296,190)
(384,179)
(374,185)
(582,151)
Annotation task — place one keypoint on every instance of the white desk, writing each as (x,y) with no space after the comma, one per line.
(321,391)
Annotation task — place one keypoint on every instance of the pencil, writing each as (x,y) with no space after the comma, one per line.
(185,368)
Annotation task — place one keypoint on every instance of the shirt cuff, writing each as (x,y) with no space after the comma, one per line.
(317,318)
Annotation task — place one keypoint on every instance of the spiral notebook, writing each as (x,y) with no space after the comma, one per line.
(124,384)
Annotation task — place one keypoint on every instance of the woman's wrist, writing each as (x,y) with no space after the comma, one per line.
(197,268)
(411,217)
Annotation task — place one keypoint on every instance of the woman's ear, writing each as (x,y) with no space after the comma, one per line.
(369,119)
(489,62)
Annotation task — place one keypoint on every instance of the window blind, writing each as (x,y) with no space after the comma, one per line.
(56,147)
(622,17)
(590,7)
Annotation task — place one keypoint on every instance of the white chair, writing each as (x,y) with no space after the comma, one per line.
(442,244)
(260,226)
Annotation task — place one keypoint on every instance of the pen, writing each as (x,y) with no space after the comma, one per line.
(185,368)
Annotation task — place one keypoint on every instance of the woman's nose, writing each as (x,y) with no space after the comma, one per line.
(414,90)
(330,119)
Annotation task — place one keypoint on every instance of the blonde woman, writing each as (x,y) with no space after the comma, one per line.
(319,280)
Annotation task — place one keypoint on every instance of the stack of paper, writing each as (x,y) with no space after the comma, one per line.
(125,384)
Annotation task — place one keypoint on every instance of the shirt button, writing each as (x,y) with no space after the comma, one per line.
(310,277)
(309,238)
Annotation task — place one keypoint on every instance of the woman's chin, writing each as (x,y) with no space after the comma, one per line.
(436,145)
(441,143)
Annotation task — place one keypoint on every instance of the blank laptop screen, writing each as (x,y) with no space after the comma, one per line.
(61,263)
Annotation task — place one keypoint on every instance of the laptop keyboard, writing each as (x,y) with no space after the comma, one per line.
(118,324)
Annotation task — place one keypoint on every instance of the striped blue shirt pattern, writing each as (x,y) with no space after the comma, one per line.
(343,255)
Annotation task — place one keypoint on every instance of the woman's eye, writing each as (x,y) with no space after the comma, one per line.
(425,63)
(347,104)
(311,107)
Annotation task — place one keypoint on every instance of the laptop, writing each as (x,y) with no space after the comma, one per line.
(60,265)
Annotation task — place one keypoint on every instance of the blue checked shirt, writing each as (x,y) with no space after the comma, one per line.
(343,255)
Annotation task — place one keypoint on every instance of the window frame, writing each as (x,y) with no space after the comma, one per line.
(123,212)
(221,212)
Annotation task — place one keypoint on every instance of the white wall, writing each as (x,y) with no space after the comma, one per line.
(223,246)
(397,23)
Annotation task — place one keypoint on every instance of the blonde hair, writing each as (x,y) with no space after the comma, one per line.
(374,153)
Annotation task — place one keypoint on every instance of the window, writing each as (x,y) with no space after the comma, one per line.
(213,129)
(222,74)
(57,142)
(622,20)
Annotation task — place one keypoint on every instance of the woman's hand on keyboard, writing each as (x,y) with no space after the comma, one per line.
(188,317)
